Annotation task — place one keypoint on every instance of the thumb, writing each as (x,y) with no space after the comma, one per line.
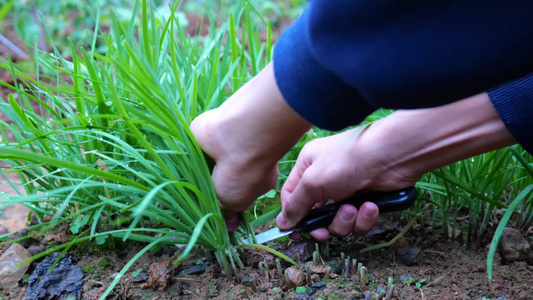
(296,205)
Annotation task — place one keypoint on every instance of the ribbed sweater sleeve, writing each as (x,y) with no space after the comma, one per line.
(514,104)
(343,59)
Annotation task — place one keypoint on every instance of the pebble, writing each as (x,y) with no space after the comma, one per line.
(514,247)
(159,275)
(13,225)
(3,230)
(406,278)
(409,256)
(196,269)
(10,274)
(247,280)
(34,249)
(265,286)
(296,276)
(335,266)
(142,277)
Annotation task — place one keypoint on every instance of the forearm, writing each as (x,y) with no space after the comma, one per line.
(257,119)
(425,139)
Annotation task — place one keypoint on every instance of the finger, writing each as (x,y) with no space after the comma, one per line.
(232,220)
(367,218)
(344,222)
(321,234)
(298,204)
(294,177)
(296,235)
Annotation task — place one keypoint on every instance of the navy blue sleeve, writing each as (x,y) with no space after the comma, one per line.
(343,59)
(514,104)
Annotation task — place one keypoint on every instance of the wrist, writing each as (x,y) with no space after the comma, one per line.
(421,140)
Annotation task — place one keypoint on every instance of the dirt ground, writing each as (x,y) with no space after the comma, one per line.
(445,270)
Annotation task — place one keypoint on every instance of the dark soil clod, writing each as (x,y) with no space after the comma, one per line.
(196,269)
(64,280)
(409,256)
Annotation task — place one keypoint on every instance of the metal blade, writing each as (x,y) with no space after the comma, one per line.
(268,236)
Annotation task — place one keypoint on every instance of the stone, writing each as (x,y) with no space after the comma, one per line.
(265,286)
(409,256)
(196,269)
(3,230)
(142,277)
(10,273)
(247,280)
(406,278)
(13,225)
(160,274)
(63,281)
(335,266)
(514,247)
(296,276)
(34,249)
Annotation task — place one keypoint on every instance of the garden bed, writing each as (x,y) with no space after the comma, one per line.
(445,270)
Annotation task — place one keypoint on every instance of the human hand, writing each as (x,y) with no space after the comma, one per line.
(335,168)
(247,136)
(391,154)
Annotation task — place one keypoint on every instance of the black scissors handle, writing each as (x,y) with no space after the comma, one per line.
(386,202)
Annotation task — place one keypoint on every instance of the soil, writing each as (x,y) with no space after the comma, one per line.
(445,270)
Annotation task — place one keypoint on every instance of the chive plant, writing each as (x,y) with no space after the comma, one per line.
(111,144)
(477,188)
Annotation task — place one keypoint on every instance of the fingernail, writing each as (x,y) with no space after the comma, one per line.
(280,221)
(345,214)
(368,213)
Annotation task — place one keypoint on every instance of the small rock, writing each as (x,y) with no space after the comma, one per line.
(303,297)
(409,256)
(406,278)
(514,247)
(456,235)
(196,269)
(318,285)
(296,276)
(10,274)
(318,269)
(3,230)
(142,277)
(19,235)
(335,266)
(64,280)
(265,286)
(159,276)
(247,280)
(60,238)
(95,293)
(34,249)
(13,225)
(304,248)
(178,288)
